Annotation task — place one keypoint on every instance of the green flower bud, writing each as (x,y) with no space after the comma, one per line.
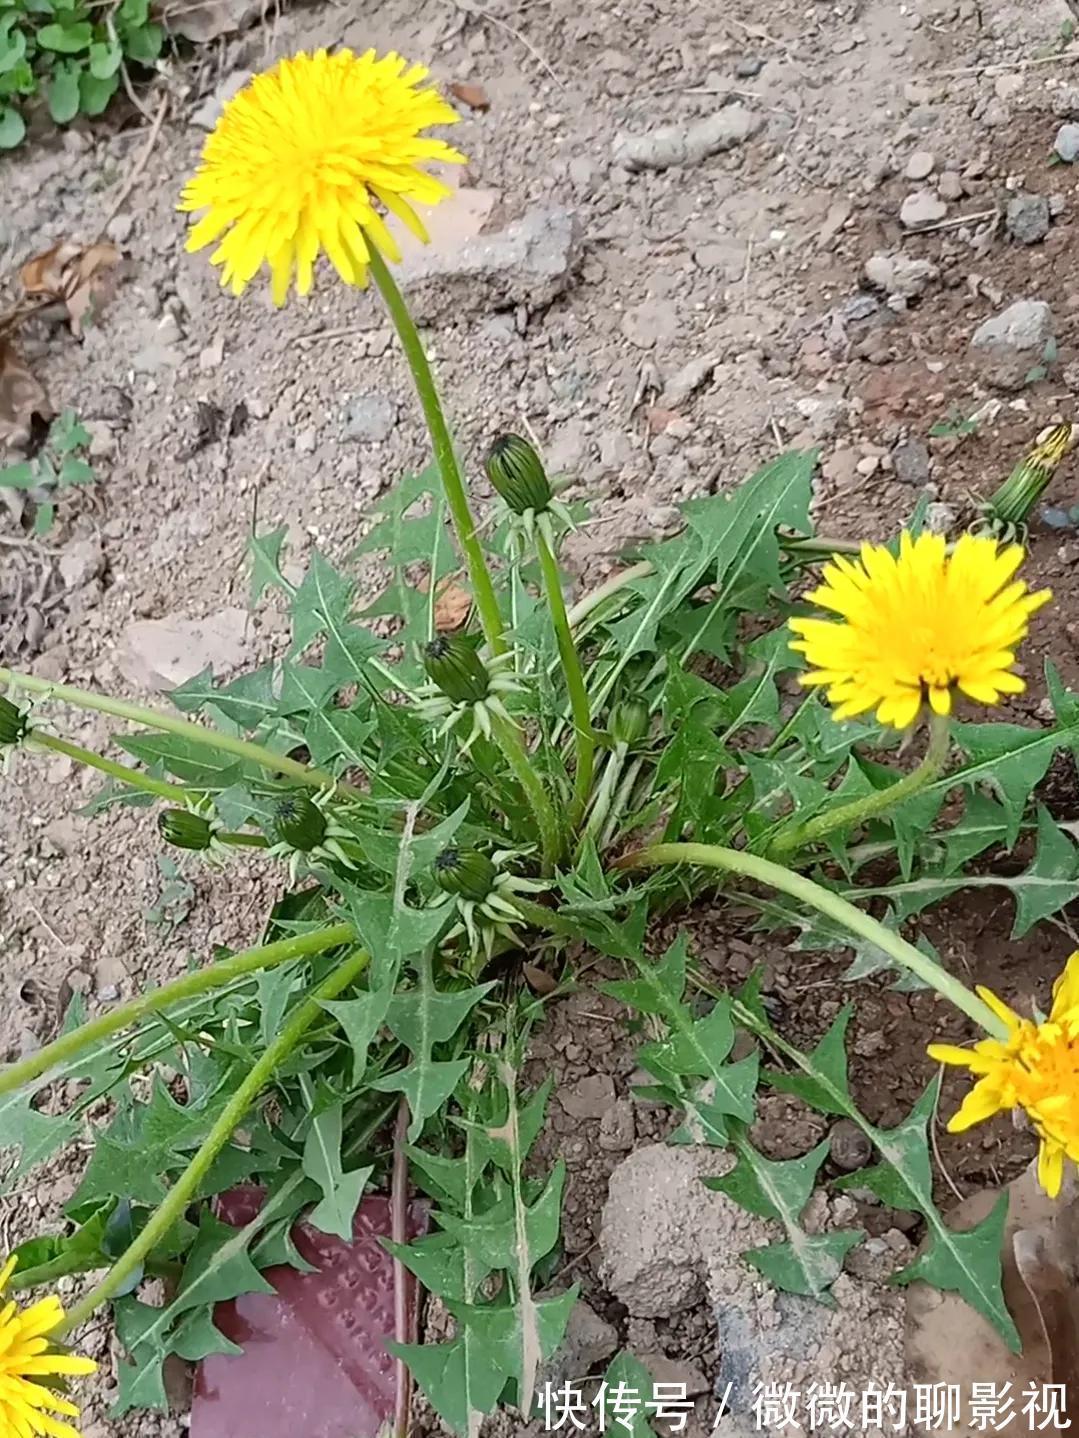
(12,723)
(185,830)
(517,473)
(629,720)
(454,666)
(466,873)
(299,823)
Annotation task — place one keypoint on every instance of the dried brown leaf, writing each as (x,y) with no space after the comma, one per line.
(470,94)
(75,276)
(21,398)
(539,980)
(453,604)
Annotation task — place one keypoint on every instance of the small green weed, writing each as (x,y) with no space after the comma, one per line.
(58,467)
(72,54)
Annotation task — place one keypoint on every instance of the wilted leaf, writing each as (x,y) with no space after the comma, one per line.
(73,276)
(452,605)
(474,96)
(21,397)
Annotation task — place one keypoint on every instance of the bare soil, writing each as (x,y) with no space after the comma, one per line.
(209,414)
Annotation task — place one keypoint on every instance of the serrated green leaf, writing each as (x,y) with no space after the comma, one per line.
(660,986)
(496,1142)
(321,604)
(426,1086)
(265,553)
(190,762)
(32,1136)
(904,1177)
(303,687)
(815,1258)
(1010,758)
(437,1260)
(322,1163)
(361,1018)
(334,734)
(968,1263)
(198,1338)
(459,1381)
(423,1016)
(248,701)
(805,1263)
(492,1236)
(628,1376)
(141,1383)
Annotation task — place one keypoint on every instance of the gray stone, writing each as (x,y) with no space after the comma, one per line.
(529,263)
(81,562)
(120,228)
(920,165)
(102,440)
(589,1097)
(617,1127)
(206,116)
(940,518)
(1028,218)
(1010,344)
(371,418)
(923,207)
(686,144)
(900,275)
(1066,143)
(950,186)
(162,653)
(688,380)
(588,1340)
(306,441)
(748,67)
(910,462)
(648,322)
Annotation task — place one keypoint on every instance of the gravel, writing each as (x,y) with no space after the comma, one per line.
(1066,143)
(1027,218)
(1009,344)
(923,207)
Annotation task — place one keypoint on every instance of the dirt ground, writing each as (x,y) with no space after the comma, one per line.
(208,413)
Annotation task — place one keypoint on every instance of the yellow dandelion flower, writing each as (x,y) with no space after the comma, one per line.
(27,1365)
(1036,1068)
(917,627)
(303,156)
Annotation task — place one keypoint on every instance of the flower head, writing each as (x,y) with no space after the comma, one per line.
(302,158)
(483,891)
(28,1362)
(1036,1068)
(464,685)
(917,627)
(517,474)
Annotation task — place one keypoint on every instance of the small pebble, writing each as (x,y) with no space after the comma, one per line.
(920,165)
(1066,143)
(923,207)
(748,67)
(950,186)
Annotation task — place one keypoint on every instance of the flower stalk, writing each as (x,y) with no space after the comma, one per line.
(453,483)
(583,733)
(864,926)
(201,981)
(134,778)
(858,811)
(170,724)
(508,738)
(187,1185)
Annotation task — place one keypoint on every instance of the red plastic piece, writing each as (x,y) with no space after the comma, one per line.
(314,1363)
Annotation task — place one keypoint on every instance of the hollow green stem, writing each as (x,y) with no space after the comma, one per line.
(242,841)
(584,734)
(453,483)
(201,981)
(187,1185)
(846,816)
(508,738)
(161,788)
(170,724)
(854,920)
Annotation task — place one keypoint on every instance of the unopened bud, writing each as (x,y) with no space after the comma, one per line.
(517,473)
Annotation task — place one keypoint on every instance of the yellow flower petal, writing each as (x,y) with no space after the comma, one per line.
(983,1101)
(300,156)
(27,1406)
(1050,1167)
(918,628)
